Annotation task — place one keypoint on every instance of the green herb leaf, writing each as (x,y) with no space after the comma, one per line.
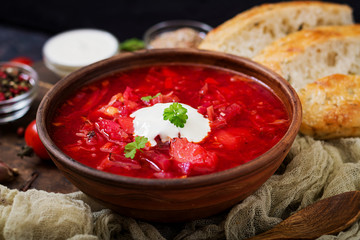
(148,98)
(132,44)
(176,114)
(131,148)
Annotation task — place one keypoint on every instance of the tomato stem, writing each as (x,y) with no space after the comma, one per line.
(26,151)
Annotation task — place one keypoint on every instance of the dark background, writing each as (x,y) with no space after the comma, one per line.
(26,25)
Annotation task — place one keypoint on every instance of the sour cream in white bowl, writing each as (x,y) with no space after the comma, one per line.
(71,50)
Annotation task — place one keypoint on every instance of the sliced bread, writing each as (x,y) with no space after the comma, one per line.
(249,32)
(307,55)
(331,107)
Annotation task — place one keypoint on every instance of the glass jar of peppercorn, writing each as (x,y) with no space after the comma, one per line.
(18,89)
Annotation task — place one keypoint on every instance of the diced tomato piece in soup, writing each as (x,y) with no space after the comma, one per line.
(192,157)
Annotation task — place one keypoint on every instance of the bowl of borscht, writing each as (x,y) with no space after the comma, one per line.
(169,135)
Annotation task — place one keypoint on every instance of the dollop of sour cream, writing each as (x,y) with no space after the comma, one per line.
(149,122)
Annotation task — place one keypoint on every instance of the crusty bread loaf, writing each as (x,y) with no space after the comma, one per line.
(249,32)
(307,55)
(331,107)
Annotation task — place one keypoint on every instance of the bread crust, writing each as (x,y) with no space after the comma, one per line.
(331,107)
(277,20)
(287,48)
(304,56)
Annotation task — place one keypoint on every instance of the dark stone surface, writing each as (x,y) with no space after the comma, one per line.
(25,25)
(124,19)
(16,42)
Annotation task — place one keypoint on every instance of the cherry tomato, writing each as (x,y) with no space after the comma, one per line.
(32,140)
(23,60)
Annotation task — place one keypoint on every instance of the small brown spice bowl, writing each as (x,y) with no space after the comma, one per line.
(170,200)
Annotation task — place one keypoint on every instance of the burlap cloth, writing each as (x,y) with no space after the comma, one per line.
(312,170)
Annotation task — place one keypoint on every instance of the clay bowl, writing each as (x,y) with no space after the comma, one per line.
(170,200)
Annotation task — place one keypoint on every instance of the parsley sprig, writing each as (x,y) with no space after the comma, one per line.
(132,44)
(148,98)
(131,148)
(176,114)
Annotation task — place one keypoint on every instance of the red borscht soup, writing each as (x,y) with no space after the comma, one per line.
(169,121)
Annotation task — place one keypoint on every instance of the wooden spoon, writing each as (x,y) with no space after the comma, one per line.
(327,216)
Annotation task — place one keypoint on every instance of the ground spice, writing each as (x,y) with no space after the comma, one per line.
(181,38)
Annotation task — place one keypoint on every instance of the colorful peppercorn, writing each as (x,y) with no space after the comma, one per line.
(13,82)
